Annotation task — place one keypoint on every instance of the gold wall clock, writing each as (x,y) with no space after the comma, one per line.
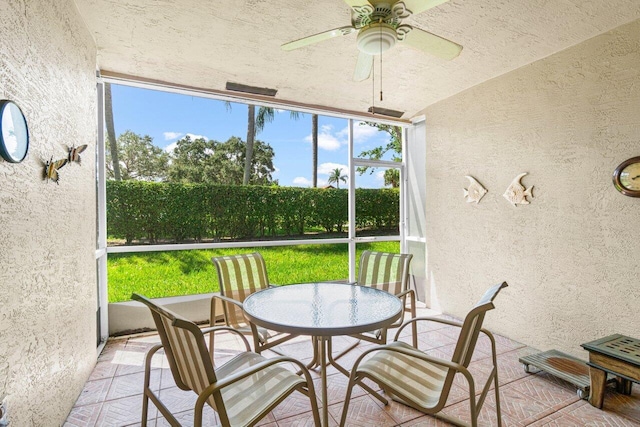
(626,177)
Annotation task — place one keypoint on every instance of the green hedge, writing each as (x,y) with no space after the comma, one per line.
(179,212)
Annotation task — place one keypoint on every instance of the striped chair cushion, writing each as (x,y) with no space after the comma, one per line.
(188,361)
(240,276)
(250,397)
(421,381)
(385,271)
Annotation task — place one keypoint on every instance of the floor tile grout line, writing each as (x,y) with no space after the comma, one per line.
(567,406)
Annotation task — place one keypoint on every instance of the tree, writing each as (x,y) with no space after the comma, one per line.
(189,163)
(391,176)
(255,124)
(314,148)
(201,161)
(138,158)
(230,156)
(336,176)
(111,133)
(251,134)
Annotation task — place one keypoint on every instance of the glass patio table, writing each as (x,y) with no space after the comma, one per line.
(322,310)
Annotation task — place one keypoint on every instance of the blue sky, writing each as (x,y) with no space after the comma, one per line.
(167,117)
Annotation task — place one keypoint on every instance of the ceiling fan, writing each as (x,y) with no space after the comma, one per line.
(379,26)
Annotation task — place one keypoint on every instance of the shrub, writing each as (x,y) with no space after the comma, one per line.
(180,212)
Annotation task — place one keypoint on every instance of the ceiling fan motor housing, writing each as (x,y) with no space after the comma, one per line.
(376,38)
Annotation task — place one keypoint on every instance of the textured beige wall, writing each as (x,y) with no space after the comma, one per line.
(47,231)
(571,257)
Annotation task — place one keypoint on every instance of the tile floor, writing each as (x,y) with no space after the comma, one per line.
(112,395)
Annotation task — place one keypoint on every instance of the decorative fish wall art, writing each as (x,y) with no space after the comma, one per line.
(516,193)
(74,153)
(51,169)
(475,192)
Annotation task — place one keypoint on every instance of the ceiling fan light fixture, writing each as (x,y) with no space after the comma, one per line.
(376,38)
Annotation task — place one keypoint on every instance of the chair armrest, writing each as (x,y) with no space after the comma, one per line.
(150,354)
(403,296)
(215,329)
(405,292)
(212,317)
(227,299)
(493,342)
(227,381)
(447,322)
(428,319)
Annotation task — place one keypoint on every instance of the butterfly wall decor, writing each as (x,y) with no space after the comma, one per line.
(74,153)
(51,169)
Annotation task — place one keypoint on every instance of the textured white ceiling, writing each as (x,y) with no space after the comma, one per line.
(207,43)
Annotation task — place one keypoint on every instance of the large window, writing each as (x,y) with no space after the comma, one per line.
(176,190)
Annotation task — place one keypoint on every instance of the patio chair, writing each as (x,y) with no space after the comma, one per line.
(242,391)
(388,272)
(239,276)
(423,382)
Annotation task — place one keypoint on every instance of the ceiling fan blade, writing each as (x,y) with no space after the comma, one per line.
(358,3)
(432,44)
(417,6)
(342,31)
(363,67)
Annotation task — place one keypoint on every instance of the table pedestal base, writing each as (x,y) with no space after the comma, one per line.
(323,357)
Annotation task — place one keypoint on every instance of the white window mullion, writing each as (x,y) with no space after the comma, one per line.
(352,207)
(404,182)
(101,251)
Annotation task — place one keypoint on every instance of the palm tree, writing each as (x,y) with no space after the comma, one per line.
(255,124)
(336,176)
(111,134)
(314,148)
(251,133)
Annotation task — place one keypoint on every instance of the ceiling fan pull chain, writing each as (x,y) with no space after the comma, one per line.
(380,78)
(373,87)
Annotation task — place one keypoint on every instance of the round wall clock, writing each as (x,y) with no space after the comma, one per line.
(14,134)
(626,177)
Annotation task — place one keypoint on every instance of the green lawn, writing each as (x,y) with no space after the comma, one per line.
(163,274)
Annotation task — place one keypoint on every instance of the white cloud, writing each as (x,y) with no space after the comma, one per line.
(194,137)
(361,133)
(169,148)
(168,136)
(330,140)
(327,168)
(326,140)
(301,181)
